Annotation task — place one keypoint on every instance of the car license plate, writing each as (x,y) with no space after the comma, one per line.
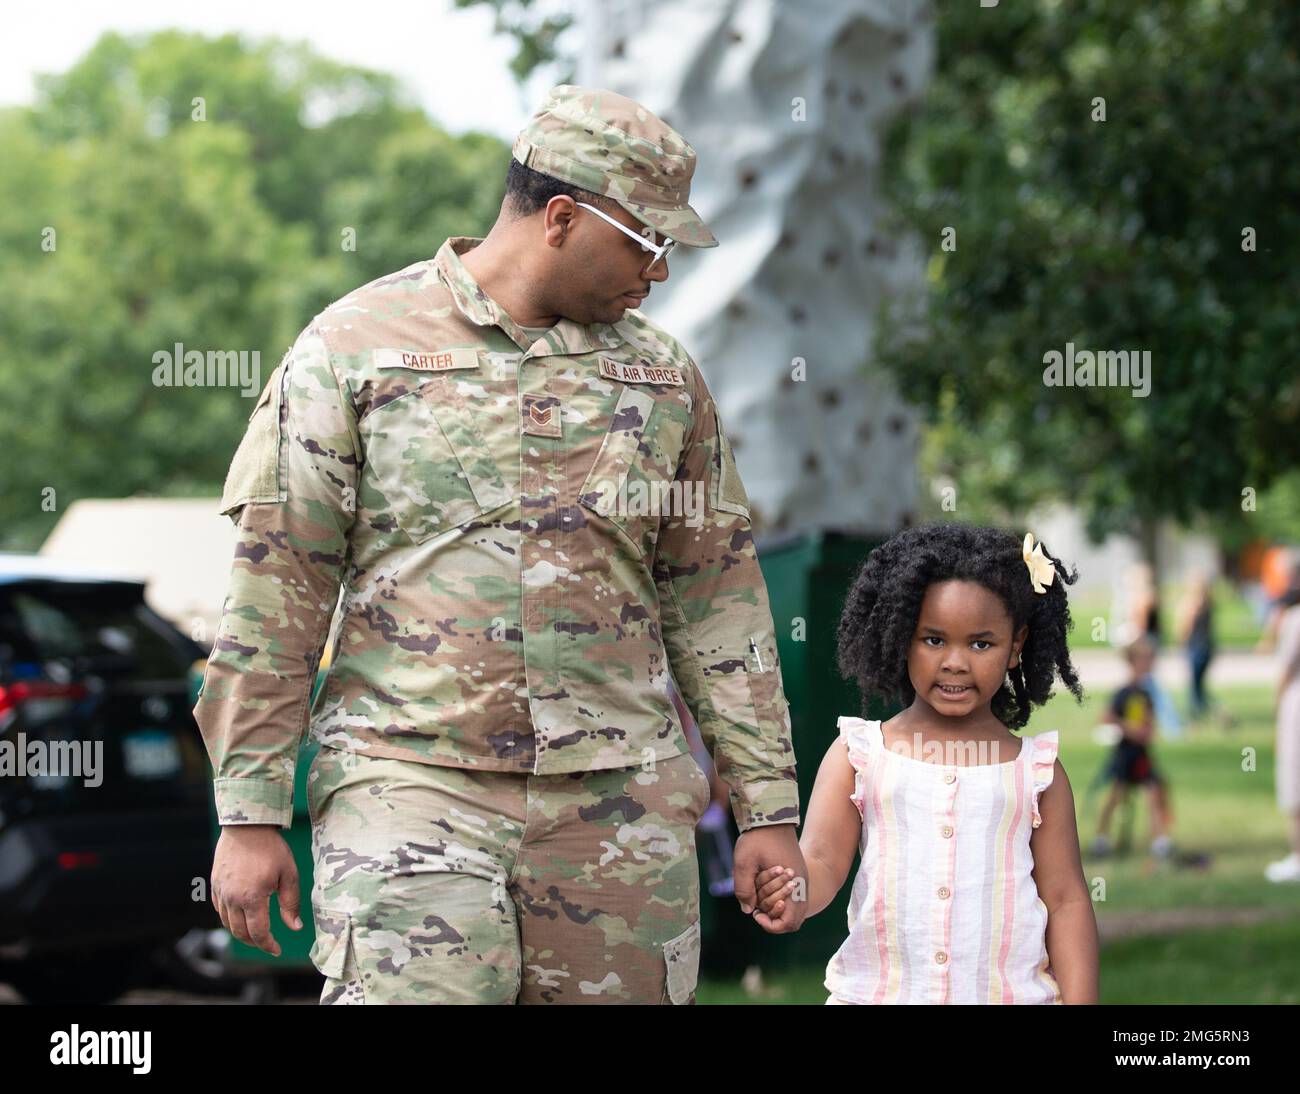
(151,754)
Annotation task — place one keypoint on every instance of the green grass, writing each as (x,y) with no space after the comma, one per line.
(795,986)
(1219,808)
(1240,965)
(1257,964)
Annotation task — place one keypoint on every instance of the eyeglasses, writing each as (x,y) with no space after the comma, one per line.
(658,252)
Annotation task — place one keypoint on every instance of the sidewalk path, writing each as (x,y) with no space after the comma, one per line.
(1099,668)
(1117,925)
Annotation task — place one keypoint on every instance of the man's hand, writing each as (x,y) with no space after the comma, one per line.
(757,850)
(253,861)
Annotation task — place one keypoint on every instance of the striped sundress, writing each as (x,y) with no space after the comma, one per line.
(944,908)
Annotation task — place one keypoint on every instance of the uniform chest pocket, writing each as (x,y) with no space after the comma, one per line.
(427,465)
(630,483)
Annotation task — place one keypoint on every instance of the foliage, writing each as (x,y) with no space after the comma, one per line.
(537,33)
(1119,234)
(217,224)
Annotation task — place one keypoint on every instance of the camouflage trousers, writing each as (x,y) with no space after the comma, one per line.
(451,885)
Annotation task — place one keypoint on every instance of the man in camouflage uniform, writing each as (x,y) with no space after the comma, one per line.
(523,487)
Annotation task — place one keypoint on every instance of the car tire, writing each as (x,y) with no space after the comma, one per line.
(89,978)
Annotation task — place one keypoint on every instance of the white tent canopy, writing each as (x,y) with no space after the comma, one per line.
(180,547)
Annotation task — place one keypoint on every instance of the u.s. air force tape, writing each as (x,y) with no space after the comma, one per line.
(640,373)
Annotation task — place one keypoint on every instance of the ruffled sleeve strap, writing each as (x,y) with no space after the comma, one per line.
(855,732)
(1043,759)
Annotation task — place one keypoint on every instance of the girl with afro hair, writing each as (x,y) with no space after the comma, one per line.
(970,887)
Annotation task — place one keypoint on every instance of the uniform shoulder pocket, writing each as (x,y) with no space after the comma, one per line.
(748,695)
(726,491)
(255,472)
(767,693)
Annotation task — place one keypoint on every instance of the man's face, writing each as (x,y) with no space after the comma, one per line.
(598,272)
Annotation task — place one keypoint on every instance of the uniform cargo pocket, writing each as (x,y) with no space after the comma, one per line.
(682,961)
(427,464)
(334,955)
(255,472)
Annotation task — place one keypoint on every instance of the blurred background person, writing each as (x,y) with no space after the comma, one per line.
(1280,581)
(1288,733)
(1131,764)
(1196,632)
(1144,604)
(1143,621)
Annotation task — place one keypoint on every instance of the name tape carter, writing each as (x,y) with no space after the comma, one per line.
(437,361)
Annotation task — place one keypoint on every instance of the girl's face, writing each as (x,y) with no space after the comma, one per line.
(962,647)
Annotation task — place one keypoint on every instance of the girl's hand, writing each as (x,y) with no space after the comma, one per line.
(774,886)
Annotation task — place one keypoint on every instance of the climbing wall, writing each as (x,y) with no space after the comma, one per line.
(786,104)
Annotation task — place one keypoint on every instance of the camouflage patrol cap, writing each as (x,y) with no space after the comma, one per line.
(612,145)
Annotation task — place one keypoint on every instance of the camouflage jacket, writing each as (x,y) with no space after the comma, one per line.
(529,536)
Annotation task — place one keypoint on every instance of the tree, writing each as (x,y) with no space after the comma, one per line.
(175,188)
(1171,226)
(537,28)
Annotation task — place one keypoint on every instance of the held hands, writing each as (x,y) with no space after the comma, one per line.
(779,886)
(757,850)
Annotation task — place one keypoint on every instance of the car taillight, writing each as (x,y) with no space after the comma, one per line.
(76,860)
(16,694)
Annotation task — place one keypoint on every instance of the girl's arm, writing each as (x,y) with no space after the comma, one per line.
(1058,873)
(832,829)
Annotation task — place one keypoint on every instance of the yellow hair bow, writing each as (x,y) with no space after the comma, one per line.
(1041,570)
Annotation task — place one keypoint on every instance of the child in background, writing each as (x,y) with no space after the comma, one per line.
(1133,709)
(970,888)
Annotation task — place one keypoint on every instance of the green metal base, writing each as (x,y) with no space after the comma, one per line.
(807,578)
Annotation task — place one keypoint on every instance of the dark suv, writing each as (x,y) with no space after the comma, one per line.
(105,840)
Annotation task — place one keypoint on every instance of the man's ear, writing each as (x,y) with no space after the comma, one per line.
(557,219)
